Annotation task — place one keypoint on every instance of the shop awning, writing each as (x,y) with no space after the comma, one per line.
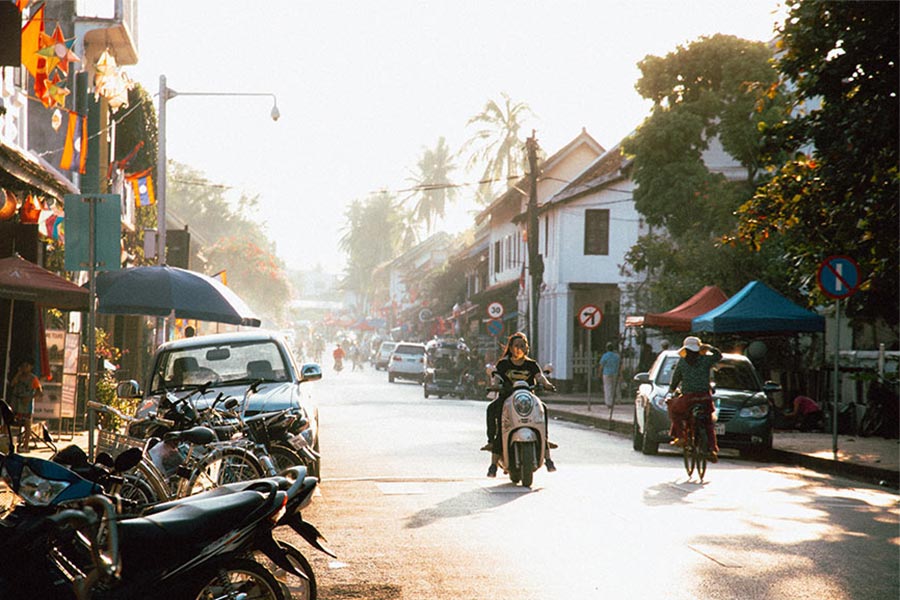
(22,172)
(680,317)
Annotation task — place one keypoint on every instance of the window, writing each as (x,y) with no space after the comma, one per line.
(497,256)
(596,231)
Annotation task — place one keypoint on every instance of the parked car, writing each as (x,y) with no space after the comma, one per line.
(743,417)
(232,361)
(407,362)
(383,356)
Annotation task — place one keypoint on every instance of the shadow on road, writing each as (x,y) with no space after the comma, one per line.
(466,504)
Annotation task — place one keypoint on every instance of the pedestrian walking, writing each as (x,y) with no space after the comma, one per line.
(610,369)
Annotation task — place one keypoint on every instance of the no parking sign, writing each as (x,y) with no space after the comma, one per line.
(838,276)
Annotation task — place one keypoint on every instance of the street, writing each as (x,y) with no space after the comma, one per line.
(405,504)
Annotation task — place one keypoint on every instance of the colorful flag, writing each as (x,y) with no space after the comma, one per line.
(221,276)
(75,151)
(142,185)
(31,38)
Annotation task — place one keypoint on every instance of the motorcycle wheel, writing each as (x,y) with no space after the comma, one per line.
(234,577)
(284,457)
(293,587)
(526,460)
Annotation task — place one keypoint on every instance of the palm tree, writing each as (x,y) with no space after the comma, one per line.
(375,231)
(497,143)
(433,188)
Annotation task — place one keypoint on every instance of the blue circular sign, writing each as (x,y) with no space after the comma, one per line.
(494,327)
(838,276)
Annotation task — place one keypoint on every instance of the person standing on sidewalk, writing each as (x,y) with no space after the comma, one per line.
(25,386)
(610,369)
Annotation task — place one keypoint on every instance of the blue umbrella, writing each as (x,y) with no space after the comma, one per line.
(158,290)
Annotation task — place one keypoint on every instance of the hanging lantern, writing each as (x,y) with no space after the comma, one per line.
(56,120)
(8,210)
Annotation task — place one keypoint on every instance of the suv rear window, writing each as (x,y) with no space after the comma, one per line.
(409,349)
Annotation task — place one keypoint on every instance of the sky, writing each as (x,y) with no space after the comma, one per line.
(365,87)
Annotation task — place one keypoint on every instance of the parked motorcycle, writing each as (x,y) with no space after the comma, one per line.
(523,434)
(197,547)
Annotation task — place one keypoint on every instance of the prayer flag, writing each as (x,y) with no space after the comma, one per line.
(74,154)
(31,37)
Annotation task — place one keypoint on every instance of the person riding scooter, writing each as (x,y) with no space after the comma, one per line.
(514,365)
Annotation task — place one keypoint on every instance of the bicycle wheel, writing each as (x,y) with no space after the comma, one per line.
(687,451)
(284,457)
(135,488)
(701,450)
(225,465)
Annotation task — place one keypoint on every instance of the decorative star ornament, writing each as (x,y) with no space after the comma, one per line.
(55,93)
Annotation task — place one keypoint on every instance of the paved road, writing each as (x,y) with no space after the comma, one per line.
(405,503)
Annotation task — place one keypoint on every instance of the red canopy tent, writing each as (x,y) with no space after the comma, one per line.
(680,317)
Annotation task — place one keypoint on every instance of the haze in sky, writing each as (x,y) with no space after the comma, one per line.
(364,87)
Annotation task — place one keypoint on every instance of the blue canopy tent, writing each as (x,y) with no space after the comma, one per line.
(760,309)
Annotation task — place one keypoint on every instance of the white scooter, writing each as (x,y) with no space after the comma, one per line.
(523,433)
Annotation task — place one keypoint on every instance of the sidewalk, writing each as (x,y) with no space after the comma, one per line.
(871,459)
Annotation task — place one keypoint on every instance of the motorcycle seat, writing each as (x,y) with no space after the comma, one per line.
(185,528)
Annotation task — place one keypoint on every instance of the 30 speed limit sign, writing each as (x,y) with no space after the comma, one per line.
(495,310)
(590,316)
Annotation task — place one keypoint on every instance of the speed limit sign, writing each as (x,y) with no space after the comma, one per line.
(495,310)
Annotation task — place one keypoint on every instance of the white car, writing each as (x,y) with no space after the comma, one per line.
(383,356)
(407,362)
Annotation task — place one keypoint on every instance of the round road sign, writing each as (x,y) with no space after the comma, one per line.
(495,310)
(494,327)
(838,276)
(590,316)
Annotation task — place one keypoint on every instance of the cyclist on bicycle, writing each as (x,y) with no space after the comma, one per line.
(692,372)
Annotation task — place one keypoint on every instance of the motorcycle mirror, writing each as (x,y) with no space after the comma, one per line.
(231,403)
(128,460)
(105,459)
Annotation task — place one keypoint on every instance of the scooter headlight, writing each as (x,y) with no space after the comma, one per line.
(38,491)
(523,402)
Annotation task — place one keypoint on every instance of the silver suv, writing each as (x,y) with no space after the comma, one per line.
(383,357)
(407,362)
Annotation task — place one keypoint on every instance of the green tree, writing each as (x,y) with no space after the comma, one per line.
(237,238)
(433,187)
(376,230)
(711,89)
(837,190)
(497,143)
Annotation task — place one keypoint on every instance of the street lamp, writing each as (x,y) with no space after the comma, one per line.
(165,94)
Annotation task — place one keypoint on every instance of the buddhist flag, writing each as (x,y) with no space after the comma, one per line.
(74,154)
(142,185)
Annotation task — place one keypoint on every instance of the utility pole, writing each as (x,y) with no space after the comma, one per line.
(535,260)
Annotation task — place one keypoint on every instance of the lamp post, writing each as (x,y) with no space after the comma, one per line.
(166,94)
